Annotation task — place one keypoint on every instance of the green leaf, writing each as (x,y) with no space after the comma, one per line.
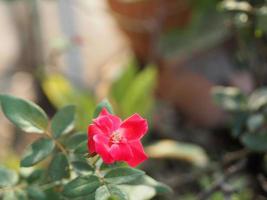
(140,192)
(81,186)
(76,139)
(61,93)
(21,195)
(86,197)
(133,99)
(81,148)
(122,175)
(103,104)
(177,150)
(107,192)
(63,121)
(261,15)
(160,188)
(59,167)
(120,86)
(255,122)
(35,193)
(82,166)
(36,175)
(24,114)
(255,142)
(37,151)
(8,177)
(230,98)
(258,99)
(15,195)
(239,123)
(10,196)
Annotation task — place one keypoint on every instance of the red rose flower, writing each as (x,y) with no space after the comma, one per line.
(117,140)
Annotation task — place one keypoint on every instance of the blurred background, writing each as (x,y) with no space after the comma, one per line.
(160,58)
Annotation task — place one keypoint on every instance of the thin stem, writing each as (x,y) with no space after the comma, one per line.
(219,184)
(58,144)
(6,189)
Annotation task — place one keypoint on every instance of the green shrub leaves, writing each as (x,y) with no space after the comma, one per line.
(63,121)
(71,170)
(122,175)
(36,152)
(59,167)
(81,186)
(24,114)
(7,177)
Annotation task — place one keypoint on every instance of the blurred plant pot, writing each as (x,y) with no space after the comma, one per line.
(144,20)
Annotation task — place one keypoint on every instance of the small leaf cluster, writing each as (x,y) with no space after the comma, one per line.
(249,114)
(58,166)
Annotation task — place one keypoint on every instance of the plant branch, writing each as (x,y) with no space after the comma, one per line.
(58,144)
(220,184)
(7,189)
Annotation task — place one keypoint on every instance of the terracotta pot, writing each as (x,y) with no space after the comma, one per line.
(144,21)
(190,94)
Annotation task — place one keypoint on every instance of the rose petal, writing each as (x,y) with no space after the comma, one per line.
(116,121)
(121,152)
(102,148)
(139,154)
(92,130)
(108,123)
(134,128)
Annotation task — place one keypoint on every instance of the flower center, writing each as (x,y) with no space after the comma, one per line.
(116,137)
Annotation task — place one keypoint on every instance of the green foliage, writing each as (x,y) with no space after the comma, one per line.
(59,167)
(63,121)
(36,152)
(103,104)
(255,142)
(8,177)
(249,115)
(70,173)
(81,186)
(61,93)
(107,192)
(24,114)
(231,99)
(126,93)
(122,175)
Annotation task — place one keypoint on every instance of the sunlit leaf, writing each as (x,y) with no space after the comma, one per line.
(37,151)
(230,98)
(107,192)
(134,100)
(255,122)
(140,192)
(121,85)
(177,150)
(24,114)
(61,93)
(63,121)
(160,188)
(8,177)
(258,99)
